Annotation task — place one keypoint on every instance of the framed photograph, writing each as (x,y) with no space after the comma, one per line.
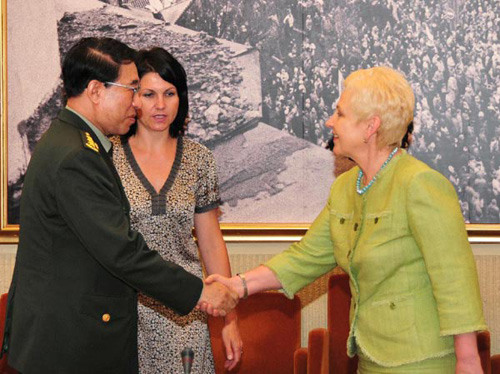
(263,79)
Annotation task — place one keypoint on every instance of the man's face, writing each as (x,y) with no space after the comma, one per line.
(116,110)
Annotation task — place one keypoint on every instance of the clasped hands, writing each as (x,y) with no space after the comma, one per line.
(220,295)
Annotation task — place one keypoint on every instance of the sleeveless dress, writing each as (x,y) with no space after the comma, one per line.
(165,219)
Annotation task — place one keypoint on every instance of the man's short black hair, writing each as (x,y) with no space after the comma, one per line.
(93,58)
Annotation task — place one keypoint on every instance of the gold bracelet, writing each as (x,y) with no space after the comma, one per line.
(245,288)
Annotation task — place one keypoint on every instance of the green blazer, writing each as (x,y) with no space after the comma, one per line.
(404,245)
(72,304)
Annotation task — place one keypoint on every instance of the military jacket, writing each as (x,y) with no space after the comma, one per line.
(72,304)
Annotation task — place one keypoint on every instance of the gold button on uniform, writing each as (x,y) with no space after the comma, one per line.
(106,317)
(392,305)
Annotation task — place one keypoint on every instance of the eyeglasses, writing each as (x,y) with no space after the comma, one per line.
(135,89)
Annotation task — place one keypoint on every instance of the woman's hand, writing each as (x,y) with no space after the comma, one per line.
(232,341)
(256,280)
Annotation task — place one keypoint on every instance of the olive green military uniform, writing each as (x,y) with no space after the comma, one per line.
(72,303)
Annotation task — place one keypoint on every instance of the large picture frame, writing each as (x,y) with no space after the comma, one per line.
(247,230)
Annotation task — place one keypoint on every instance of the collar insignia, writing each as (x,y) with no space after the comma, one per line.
(90,143)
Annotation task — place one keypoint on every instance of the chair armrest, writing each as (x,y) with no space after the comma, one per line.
(483,347)
(318,352)
(4,366)
(315,358)
(495,364)
(300,361)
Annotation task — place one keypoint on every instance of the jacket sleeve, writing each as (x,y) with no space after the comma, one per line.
(307,260)
(89,201)
(438,227)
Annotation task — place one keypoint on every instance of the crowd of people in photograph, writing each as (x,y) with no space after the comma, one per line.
(448,51)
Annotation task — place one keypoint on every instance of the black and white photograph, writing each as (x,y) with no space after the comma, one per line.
(264,76)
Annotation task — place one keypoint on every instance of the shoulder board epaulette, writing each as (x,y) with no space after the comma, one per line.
(88,142)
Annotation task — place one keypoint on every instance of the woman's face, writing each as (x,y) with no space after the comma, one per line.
(346,128)
(160,103)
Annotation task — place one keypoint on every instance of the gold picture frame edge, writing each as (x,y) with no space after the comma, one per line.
(7,234)
(252,232)
(232,232)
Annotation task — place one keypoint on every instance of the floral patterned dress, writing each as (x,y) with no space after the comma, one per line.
(165,219)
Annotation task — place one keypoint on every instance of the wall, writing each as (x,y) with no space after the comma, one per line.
(244,256)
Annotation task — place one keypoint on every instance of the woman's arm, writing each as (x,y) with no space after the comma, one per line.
(468,361)
(214,255)
(438,227)
(292,269)
(211,244)
(256,280)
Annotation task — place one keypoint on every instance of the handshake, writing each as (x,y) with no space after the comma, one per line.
(220,295)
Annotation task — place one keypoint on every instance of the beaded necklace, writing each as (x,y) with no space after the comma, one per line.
(360,190)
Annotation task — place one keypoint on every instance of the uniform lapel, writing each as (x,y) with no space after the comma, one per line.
(72,119)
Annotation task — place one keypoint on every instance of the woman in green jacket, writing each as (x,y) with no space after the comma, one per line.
(395,226)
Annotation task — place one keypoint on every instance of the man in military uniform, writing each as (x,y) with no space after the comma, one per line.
(73,299)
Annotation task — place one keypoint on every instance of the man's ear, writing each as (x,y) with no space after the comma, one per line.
(94,91)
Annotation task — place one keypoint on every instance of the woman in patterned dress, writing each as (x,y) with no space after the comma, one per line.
(171,183)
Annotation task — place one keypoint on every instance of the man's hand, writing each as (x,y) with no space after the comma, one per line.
(234,283)
(217,300)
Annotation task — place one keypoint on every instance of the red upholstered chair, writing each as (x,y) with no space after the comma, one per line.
(4,368)
(314,358)
(339,303)
(270,329)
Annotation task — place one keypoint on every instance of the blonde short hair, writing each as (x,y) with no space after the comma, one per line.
(383,92)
